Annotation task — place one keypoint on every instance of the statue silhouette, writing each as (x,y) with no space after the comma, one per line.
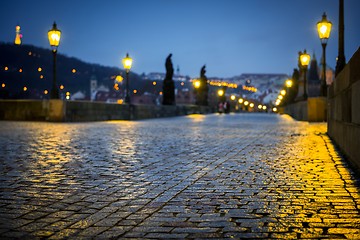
(202,91)
(169,67)
(168,84)
(202,72)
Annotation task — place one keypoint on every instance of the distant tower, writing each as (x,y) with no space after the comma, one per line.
(18,35)
(93,87)
(314,83)
(178,70)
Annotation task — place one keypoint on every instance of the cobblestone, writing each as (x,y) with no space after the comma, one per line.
(194,177)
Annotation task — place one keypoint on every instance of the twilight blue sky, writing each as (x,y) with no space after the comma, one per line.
(229,36)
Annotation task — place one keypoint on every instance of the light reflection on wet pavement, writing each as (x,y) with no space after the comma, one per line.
(212,176)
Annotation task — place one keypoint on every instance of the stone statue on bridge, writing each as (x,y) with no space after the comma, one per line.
(202,72)
(202,91)
(168,84)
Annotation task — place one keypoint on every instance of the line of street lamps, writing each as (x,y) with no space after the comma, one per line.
(324,29)
(54,36)
(323,26)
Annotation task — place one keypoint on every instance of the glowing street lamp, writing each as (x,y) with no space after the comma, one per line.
(289,83)
(220,92)
(283,92)
(54,35)
(324,29)
(127,62)
(304,60)
(197,84)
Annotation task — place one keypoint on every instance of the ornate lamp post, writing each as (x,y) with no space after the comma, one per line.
(324,29)
(304,60)
(127,62)
(54,35)
(197,85)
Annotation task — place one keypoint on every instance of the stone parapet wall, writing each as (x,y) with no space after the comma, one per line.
(32,110)
(312,110)
(77,111)
(344,110)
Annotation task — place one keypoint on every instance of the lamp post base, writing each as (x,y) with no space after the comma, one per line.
(54,93)
(323,79)
(127,99)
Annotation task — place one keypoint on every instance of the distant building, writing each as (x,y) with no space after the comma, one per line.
(102,94)
(268,85)
(78,96)
(18,35)
(185,96)
(93,87)
(146,98)
(156,76)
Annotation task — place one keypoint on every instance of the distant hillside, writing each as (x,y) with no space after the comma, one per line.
(32,67)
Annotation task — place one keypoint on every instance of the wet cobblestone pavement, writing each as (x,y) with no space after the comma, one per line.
(214,176)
